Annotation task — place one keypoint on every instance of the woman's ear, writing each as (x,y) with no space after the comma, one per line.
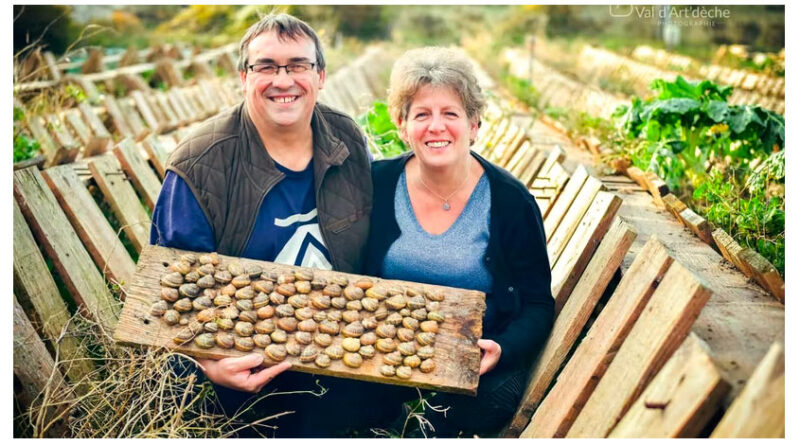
(401,130)
(474,124)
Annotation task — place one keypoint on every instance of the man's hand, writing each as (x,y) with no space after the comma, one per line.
(235,372)
(490,355)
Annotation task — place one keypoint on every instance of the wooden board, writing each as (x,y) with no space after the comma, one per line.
(521,159)
(55,234)
(90,224)
(680,400)
(663,325)
(53,153)
(674,205)
(571,320)
(157,154)
(141,175)
(581,246)
(119,193)
(62,136)
(556,155)
(95,124)
(36,288)
(760,409)
(134,120)
(457,356)
(92,144)
(588,363)
(564,201)
(582,202)
(147,112)
(764,273)
(117,119)
(549,188)
(165,106)
(697,224)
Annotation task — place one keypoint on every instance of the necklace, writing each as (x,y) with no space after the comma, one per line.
(445,201)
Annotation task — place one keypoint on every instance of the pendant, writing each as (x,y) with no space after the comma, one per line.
(446,205)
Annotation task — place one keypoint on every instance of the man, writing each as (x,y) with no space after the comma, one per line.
(278,178)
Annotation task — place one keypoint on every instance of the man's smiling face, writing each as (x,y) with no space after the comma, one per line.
(283,99)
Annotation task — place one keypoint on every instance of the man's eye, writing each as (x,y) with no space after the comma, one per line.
(266,68)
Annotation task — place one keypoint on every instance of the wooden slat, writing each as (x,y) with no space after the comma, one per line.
(556,155)
(730,249)
(577,380)
(764,273)
(572,318)
(457,356)
(513,147)
(141,175)
(180,105)
(90,224)
(581,246)
(62,136)
(38,374)
(53,153)
(680,400)
(560,207)
(95,125)
(521,159)
(55,234)
(759,411)
(697,224)
(147,112)
(118,191)
(167,70)
(562,235)
(530,172)
(167,109)
(156,153)
(550,188)
(674,205)
(663,325)
(504,144)
(52,68)
(117,119)
(34,285)
(135,123)
(87,86)
(92,144)
(132,82)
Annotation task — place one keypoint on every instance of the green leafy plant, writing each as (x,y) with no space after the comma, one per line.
(25,147)
(381,131)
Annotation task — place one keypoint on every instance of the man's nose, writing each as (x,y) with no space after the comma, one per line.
(282,78)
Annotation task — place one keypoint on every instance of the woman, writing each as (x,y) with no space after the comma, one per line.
(444,215)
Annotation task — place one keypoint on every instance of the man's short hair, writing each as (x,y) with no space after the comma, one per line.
(287,27)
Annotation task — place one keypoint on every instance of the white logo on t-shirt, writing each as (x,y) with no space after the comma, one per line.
(303,248)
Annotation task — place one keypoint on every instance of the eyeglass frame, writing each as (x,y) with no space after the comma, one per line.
(285,68)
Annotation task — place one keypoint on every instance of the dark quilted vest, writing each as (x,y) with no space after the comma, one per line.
(230,172)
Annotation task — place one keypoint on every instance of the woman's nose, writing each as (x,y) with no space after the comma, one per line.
(437,123)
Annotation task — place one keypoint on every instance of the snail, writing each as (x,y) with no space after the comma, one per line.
(307,325)
(322,360)
(387,370)
(298,301)
(412,361)
(429,326)
(288,324)
(304,338)
(245,293)
(323,340)
(353,293)
(286,289)
(265,312)
(386,330)
(351,344)
(377,293)
(385,345)
(169,294)
(369,338)
(335,352)
(240,281)
(262,340)
(393,358)
(243,328)
(159,308)
(249,316)
(403,372)
(190,290)
(223,277)
(352,359)
(427,366)
(302,287)
(205,340)
(364,283)
(173,279)
(332,290)
(265,326)
(206,282)
(275,352)
(224,340)
(263,286)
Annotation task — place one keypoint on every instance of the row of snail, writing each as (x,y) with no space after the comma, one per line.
(292,312)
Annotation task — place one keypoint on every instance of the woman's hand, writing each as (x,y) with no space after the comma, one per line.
(235,372)
(490,354)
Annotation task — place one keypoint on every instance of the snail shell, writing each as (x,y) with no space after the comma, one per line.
(318,283)
(244,305)
(432,306)
(435,316)
(262,340)
(265,326)
(286,277)
(173,279)
(426,338)
(293,348)
(279,336)
(244,344)
(265,312)
(195,326)
(329,327)
(263,286)
(240,281)
(323,340)
(171,317)
(303,275)
(288,324)
(201,303)
(229,290)
(339,302)
(367,351)
(412,292)
(434,295)
(304,338)
(404,372)
(416,302)
(369,323)
(210,293)
(369,338)
(353,293)
(407,348)
(377,293)
(351,344)
(275,352)
(225,323)
(276,298)
(303,287)
(369,304)
(411,323)
(224,340)
(405,312)
(387,370)
(429,326)
(243,328)
(352,359)
(206,315)
(320,316)
(396,302)
(169,294)
(386,330)
(189,258)
(253,270)
(159,308)
(286,289)
(425,352)
(364,283)
(381,313)
(321,301)
(206,269)
(308,325)
(393,358)
(235,269)
(354,329)
(304,313)
(385,345)
(184,336)
(205,340)
(395,290)
(420,314)
(309,353)
(351,316)
(412,361)
(229,312)
(322,360)
(184,320)
(206,282)
(183,305)
(209,258)
(340,280)
(250,316)
(394,319)
(427,366)
(222,300)
(284,310)
(298,301)
(190,290)
(405,334)
(260,300)
(335,352)
(223,277)
(245,293)
(191,277)
(332,290)
(335,315)
(354,305)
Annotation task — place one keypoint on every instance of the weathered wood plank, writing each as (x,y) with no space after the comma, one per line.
(134,120)
(92,144)
(582,202)
(156,153)
(95,125)
(680,400)
(117,119)
(36,288)
(560,207)
(37,372)
(53,153)
(504,144)
(141,175)
(759,411)
(167,70)
(55,234)
(88,87)
(572,318)
(674,205)
(120,194)
(530,172)
(556,155)
(457,356)
(62,136)
(90,224)
(663,325)
(165,106)
(147,112)
(578,379)
(764,273)
(697,224)
(521,159)
(549,188)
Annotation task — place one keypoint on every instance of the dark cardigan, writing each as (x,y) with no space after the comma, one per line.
(520,307)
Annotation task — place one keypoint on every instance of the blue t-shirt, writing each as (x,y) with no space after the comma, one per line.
(286,229)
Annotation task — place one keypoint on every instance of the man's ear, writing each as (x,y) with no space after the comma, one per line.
(243,78)
(321,79)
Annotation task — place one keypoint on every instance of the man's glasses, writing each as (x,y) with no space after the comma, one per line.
(271,69)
